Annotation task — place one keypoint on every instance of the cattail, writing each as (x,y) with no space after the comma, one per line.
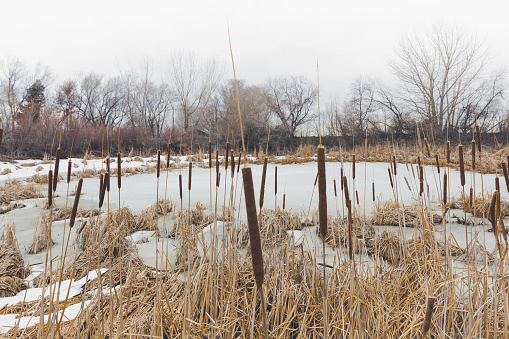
(1,135)
(353,166)
(421,180)
(254,232)
(240,160)
(168,152)
(284,201)
(226,155)
(233,165)
(445,189)
(472,197)
(103,191)
(428,149)
(158,163)
(462,165)
(473,154)
(217,162)
(427,316)
(316,179)
(57,165)
(218,179)
(492,211)
(347,194)
(390,177)
(342,178)
(357,196)
(107,164)
(335,191)
(418,161)
(82,227)
(69,167)
(119,170)
(322,194)
(210,154)
(438,163)
(190,175)
(262,187)
(50,188)
(448,152)
(180,185)
(275,180)
(101,184)
(506,177)
(408,184)
(373,191)
(107,180)
(76,201)
(497,184)
(394,164)
(478,134)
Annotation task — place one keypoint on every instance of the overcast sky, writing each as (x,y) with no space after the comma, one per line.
(270,38)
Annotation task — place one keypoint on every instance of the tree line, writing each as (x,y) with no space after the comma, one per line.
(444,87)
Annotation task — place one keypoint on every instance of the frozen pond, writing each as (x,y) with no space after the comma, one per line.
(296,181)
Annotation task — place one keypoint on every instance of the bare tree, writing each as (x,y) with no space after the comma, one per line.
(359,109)
(193,83)
(440,73)
(291,100)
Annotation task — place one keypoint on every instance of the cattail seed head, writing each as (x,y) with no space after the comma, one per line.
(158,163)
(394,164)
(346,192)
(322,194)
(119,171)
(218,179)
(232,161)
(217,162)
(55,174)
(418,161)
(506,177)
(353,166)
(335,190)
(478,135)
(471,197)
(180,185)
(342,178)
(254,232)
(421,180)
(107,180)
(357,196)
(107,164)
(373,191)
(427,316)
(497,184)
(390,177)
(240,160)
(76,202)
(69,167)
(50,188)
(437,163)
(492,211)
(284,201)
(275,180)
(462,165)
(190,175)
(262,187)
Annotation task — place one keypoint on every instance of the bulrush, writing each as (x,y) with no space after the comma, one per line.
(506,177)
(232,161)
(76,202)
(158,163)
(107,164)
(275,180)
(50,188)
(57,165)
(190,175)
(471,197)
(394,164)
(421,180)
(119,170)
(254,235)
(262,187)
(462,165)
(373,191)
(390,177)
(180,185)
(284,201)
(341,178)
(353,166)
(104,188)
(437,163)
(217,164)
(335,190)
(448,152)
(427,316)
(322,193)
(101,184)
(497,184)
(69,167)
(478,135)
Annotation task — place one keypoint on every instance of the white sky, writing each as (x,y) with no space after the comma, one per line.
(270,38)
